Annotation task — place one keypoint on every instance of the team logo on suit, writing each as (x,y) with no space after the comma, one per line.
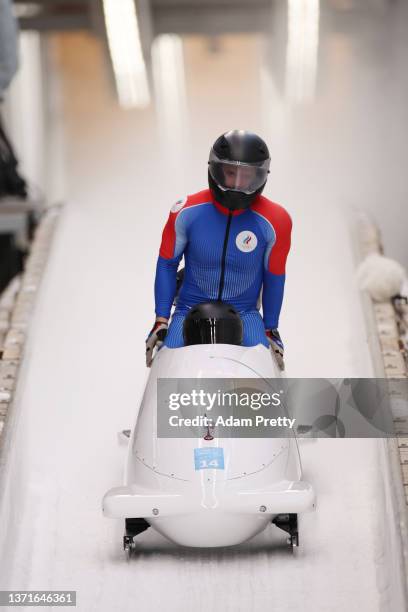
(246,241)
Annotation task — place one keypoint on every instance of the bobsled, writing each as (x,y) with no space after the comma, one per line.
(208,490)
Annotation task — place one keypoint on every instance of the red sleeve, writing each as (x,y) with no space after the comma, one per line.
(174,237)
(281,227)
(282,224)
(168,242)
(168,238)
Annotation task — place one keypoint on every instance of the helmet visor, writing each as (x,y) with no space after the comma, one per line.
(238,176)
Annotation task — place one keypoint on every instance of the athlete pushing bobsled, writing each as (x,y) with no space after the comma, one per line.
(235,243)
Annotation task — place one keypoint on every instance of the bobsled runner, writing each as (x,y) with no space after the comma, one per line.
(208,491)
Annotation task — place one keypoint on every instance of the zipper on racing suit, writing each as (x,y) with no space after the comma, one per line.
(224,253)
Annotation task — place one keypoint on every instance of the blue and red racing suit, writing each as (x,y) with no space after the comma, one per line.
(229,255)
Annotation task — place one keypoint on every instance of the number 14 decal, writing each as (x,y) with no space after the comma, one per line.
(211,458)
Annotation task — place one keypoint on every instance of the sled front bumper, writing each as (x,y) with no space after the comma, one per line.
(279,498)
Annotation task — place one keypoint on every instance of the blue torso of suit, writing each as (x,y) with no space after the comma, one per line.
(228,256)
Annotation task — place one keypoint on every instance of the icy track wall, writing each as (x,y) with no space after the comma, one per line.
(387,331)
(16,306)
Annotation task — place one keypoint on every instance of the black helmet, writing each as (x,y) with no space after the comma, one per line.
(238,168)
(212,323)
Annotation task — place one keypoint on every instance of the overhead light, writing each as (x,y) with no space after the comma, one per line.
(126,53)
(169,85)
(302,47)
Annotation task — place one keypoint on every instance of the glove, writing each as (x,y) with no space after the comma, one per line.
(155,339)
(276,346)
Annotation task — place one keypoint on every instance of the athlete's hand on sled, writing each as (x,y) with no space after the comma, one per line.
(155,338)
(276,345)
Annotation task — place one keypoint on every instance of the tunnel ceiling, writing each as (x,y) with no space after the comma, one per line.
(54,14)
(178,16)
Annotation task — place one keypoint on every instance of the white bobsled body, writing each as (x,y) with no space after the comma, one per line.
(260,477)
